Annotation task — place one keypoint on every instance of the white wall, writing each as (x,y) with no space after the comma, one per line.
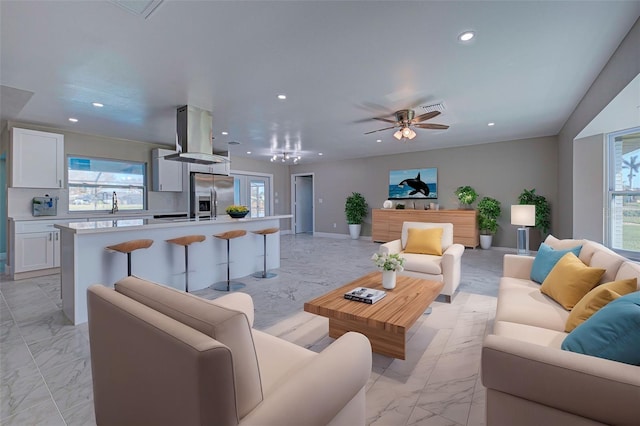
(622,68)
(589,188)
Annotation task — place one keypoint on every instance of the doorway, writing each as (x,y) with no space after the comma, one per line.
(302,203)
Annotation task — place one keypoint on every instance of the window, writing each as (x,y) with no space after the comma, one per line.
(253,191)
(93,181)
(623,220)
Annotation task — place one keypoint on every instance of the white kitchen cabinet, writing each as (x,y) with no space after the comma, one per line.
(167,174)
(37,159)
(36,245)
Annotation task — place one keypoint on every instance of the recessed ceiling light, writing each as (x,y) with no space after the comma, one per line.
(379,140)
(97,104)
(248,152)
(491,124)
(73,120)
(466,36)
(320,153)
(225,133)
(282,97)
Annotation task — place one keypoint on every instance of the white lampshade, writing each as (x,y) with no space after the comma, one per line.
(398,135)
(412,134)
(523,215)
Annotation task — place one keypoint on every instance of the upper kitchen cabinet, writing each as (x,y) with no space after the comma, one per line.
(37,159)
(167,174)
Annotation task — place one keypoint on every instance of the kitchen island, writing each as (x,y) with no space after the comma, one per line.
(85,261)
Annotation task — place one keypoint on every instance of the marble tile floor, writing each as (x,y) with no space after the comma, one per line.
(45,367)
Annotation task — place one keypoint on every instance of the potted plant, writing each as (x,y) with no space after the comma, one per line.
(466,196)
(355,209)
(236,211)
(543,210)
(488,213)
(389,264)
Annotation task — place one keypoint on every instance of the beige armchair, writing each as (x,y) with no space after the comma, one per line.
(445,268)
(163,357)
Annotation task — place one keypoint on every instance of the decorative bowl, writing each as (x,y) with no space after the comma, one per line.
(238,215)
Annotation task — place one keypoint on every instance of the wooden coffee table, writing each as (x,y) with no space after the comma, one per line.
(387,321)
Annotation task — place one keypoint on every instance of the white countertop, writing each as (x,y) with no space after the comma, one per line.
(89,215)
(115,225)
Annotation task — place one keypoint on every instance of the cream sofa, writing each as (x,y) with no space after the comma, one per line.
(163,357)
(445,268)
(529,379)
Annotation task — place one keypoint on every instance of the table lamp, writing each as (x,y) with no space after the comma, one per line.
(523,215)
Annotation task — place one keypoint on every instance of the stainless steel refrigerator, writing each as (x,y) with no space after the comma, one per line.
(210,195)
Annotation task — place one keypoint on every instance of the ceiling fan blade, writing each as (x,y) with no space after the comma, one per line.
(388,120)
(431,126)
(425,116)
(379,130)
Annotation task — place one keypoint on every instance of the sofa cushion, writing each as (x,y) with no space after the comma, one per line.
(629,270)
(424,263)
(228,326)
(570,280)
(596,299)
(520,301)
(529,333)
(564,244)
(608,261)
(612,333)
(424,241)
(546,259)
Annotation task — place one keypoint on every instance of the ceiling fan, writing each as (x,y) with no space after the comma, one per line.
(405,119)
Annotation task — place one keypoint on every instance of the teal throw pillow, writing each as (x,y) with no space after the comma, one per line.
(612,333)
(546,259)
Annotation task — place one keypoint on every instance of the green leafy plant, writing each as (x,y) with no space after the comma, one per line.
(466,194)
(388,262)
(543,209)
(355,208)
(237,209)
(489,210)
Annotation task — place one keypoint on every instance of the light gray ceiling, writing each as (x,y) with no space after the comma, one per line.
(338,62)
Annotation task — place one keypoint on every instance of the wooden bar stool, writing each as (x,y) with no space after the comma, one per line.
(264,233)
(128,247)
(229,285)
(185,242)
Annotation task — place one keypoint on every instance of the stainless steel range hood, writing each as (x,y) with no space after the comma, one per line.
(194,137)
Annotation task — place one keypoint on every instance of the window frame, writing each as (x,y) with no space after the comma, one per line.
(143,186)
(612,193)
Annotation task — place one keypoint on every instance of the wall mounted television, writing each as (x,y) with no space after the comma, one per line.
(411,184)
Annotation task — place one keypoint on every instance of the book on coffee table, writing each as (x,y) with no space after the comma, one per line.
(365,295)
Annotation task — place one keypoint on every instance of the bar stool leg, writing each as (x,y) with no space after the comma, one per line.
(129,264)
(186,271)
(264,273)
(228,285)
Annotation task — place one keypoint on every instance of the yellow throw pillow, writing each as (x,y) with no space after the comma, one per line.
(424,241)
(570,280)
(596,299)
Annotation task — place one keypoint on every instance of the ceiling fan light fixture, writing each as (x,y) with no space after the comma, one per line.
(406,132)
(412,134)
(398,135)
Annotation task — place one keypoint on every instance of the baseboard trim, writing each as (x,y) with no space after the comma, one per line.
(339,236)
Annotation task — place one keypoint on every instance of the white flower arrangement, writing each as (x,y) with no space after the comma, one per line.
(388,262)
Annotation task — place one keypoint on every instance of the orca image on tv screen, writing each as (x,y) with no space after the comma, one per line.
(413,184)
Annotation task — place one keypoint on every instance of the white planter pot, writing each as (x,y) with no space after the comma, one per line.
(485,241)
(354,231)
(389,279)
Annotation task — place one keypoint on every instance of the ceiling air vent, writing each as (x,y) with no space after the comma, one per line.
(142,8)
(435,107)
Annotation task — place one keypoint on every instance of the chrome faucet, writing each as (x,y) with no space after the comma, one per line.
(114,203)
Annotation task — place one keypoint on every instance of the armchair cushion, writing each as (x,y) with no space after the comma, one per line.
(447,232)
(424,263)
(424,241)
